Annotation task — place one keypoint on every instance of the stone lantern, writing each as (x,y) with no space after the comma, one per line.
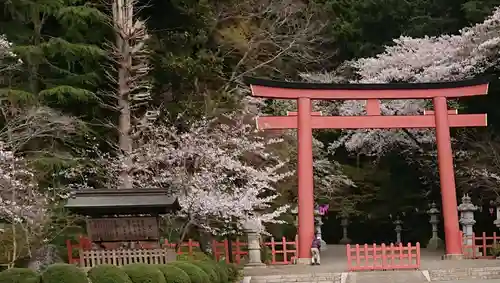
(496,204)
(467,221)
(399,227)
(3,225)
(319,212)
(344,222)
(252,228)
(435,243)
(295,212)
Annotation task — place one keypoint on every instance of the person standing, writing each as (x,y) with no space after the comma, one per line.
(315,249)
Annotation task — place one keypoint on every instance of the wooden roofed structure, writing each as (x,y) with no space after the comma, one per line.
(123,215)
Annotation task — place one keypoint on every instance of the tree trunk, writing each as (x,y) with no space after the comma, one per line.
(36,41)
(122,18)
(205,241)
(230,249)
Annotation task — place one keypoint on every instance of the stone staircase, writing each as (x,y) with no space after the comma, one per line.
(491,272)
(298,278)
(412,276)
(417,276)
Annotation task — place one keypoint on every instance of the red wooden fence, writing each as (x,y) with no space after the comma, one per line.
(220,249)
(289,253)
(474,247)
(284,255)
(383,257)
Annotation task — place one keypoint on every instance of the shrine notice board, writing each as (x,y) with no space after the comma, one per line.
(123,229)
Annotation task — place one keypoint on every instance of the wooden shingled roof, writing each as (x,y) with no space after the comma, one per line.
(121,202)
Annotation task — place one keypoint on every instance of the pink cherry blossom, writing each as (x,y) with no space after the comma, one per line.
(20,199)
(430,59)
(221,169)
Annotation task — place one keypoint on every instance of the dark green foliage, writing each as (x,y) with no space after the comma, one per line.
(107,273)
(174,274)
(361,28)
(223,274)
(19,275)
(196,274)
(233,271)
(144,273)
(265,254)
(209,269)
(193,256)
(63,273)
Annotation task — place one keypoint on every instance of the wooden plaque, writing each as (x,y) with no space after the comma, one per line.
(123,229)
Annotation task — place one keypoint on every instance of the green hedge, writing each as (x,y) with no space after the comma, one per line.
(209,269)
(108,273)
(144,273)
(194,271)
(233,270)
(196,274)
(222,271)
(174,274)
(193,256)
(63,273)
(19,275)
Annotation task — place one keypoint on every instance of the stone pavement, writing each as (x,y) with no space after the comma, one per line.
(334,266)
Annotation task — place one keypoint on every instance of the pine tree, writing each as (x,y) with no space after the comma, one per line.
(60,45)
(52,101)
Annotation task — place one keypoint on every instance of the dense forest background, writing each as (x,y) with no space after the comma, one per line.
(62,99)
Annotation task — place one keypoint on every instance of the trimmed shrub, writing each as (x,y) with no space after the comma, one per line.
(63,273)
(233,272)
(209,269)
(193,256)
(196,274)
(174,274)
(144,273)
(222,271)
(108,273)
(19,275)
(266,254)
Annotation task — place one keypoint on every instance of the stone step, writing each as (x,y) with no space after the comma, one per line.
(416,276)
(452,274)
(299,278)
(411,276)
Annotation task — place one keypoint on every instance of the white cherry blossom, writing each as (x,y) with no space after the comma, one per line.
(221,169)
(430,59)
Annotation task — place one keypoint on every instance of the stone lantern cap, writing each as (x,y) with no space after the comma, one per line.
(252,224)
(495,202)
(433,210)
(398,221)
(467,205)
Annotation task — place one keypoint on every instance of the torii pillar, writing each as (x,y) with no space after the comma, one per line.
(305,121)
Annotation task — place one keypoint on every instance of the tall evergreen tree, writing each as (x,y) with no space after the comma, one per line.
(60,44)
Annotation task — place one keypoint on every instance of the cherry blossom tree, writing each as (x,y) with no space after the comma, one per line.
(430,59)
(479,170)
(22,206)
(329,178)
(19,197)
(222,171)
(29,211)
(5,53)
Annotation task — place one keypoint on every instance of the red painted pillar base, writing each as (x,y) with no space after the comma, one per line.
(447,180)
(305,180)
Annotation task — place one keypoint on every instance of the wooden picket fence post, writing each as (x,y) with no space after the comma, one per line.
(239,252)
(374,257)
(480,246)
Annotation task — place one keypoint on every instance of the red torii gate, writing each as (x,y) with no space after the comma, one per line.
(304,120)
